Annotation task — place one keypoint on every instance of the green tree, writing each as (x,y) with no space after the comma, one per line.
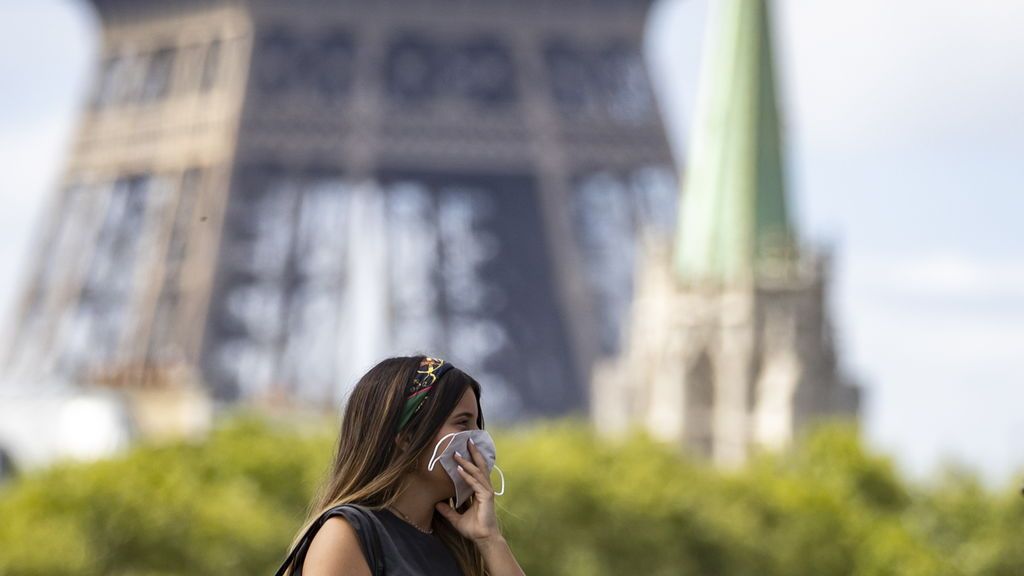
(575,505)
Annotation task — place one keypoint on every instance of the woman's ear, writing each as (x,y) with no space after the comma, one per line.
(402,442)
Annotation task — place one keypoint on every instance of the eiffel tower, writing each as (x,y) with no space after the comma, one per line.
(275,195)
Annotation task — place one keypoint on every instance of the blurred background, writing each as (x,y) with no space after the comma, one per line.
(741,279)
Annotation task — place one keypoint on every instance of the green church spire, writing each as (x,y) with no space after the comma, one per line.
(733,219)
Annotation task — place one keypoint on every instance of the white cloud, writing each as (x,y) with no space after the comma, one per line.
(913,69)
(950,275)
(939,339)
(955,314)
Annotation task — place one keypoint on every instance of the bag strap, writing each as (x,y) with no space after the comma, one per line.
(370,536)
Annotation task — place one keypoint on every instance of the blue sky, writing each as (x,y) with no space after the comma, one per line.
(905,132)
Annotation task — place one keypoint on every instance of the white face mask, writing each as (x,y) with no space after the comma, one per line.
(483,442)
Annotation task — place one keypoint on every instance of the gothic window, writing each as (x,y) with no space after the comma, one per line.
(211,67)
(700,404)
(411,70)
(158,75)
(336,65)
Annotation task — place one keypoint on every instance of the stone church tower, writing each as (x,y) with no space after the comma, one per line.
(272,196)
(729,344)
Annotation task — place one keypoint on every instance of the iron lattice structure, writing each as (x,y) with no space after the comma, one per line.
(277,194)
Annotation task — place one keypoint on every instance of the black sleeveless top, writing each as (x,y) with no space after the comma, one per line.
(391,546)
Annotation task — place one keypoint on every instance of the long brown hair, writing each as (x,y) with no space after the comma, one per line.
(368,464)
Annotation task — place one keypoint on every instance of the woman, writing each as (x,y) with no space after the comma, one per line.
(409,492)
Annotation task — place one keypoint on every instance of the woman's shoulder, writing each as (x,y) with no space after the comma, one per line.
(335,549)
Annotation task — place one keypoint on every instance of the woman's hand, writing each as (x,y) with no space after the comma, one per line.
(479,523)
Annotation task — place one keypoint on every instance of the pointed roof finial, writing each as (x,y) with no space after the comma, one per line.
(733,215)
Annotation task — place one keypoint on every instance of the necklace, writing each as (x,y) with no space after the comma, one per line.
(410,522)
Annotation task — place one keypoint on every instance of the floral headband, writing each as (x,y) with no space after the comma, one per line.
(430,370)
